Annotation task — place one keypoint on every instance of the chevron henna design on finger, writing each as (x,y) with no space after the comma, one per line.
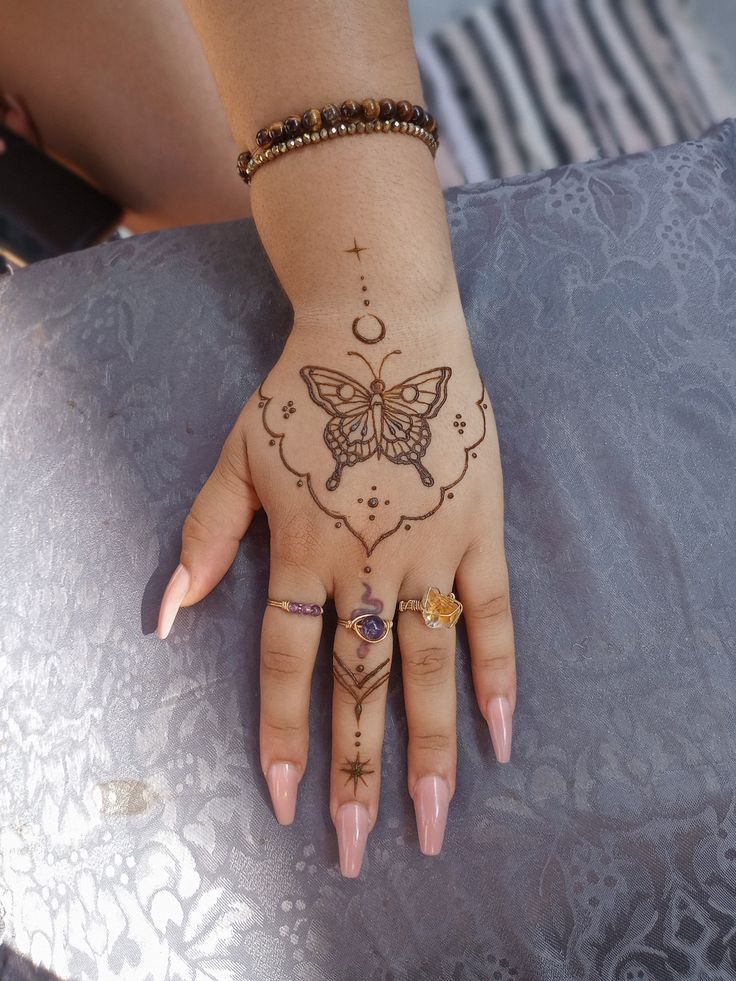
(359,686)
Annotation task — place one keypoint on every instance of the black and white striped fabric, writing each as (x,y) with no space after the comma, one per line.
(524,85)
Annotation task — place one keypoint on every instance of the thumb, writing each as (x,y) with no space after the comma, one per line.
(212,531)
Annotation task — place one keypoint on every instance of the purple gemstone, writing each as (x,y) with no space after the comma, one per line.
(316,611)
(371,628)
(295,607)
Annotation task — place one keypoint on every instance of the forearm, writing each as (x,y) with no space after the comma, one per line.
(277,57)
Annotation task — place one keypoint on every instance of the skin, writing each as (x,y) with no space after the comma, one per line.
(151,132)
(308,207)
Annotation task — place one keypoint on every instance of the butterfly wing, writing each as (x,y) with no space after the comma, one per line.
(336,393)
(405,434)
(350,434)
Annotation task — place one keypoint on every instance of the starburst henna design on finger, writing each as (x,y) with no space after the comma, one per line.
(359,686)
(377,421)
(356,770)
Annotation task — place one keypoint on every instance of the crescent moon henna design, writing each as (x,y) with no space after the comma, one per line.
(375,420)
(304,477)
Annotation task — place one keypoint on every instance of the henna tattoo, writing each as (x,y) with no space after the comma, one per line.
(373,330)
(359,683)
(372,605)
(304,478)
(356,770)
(377,421)
(357,249)
(359,335)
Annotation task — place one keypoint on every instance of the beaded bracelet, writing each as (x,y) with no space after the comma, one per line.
(315,125)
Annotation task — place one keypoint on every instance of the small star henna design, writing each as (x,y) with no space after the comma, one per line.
(356,770)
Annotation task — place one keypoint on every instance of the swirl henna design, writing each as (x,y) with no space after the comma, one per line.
(377,421)
(405,519)
(371,605)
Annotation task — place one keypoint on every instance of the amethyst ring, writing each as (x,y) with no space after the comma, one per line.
(369,627)
(306,609)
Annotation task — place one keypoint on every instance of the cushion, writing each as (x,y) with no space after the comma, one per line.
(137,839)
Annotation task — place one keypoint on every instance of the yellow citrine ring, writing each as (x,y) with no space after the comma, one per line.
(438,609)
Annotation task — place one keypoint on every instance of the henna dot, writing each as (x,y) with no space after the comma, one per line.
(407,527)
(458,415)
(373,502)
(357,744)
(290,402)
(450,495)
(367,569)
(485,406)
(474,455)
(371,517)
(456,424)
(360,668)
(292,410)
(260,405)
(387,502)
(286,415)
(338,524)
(366,303)
(272,442)
(300,483)
(360,500)
(364,288)
(357,734)
(362,277)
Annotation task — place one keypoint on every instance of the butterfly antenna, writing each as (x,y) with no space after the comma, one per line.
(384,361)
(357,355)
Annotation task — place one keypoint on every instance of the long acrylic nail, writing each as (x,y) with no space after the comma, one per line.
(175,592)
(351,823)
(431,801)
(283,780)
(499,723)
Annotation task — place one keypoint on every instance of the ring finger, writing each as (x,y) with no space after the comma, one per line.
(428,672)
(361,669)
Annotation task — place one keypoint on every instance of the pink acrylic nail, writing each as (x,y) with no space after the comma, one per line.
(351,822)
(283,780)
(499,722)
(175,592)
(431,801)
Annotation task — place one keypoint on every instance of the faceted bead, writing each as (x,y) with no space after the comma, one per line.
(312,120)
(350,110)
(330,115)
(316,610)
(277,131)
(295,607)
(292,127)
(387,109)
(372,628)
(370,108)
(404,110)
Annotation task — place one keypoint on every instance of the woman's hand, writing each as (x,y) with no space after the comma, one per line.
(373,450)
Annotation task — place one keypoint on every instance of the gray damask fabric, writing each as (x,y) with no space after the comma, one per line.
(136,836)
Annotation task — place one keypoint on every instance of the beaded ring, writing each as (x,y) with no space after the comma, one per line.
(315,125)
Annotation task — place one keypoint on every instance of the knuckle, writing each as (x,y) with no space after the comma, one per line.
(428,665)
(280,663)
(195,529)
(495,663)
(435,742)
(276,726)
(492,606)
(294,539)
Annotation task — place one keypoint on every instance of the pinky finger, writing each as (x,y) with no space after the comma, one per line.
(483,585)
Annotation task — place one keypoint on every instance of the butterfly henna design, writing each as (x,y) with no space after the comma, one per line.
(367,421)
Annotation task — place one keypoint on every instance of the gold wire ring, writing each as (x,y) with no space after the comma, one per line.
(438,609)
(369,627)
(306,609)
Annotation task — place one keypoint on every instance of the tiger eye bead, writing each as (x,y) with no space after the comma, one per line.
(350,110)
(370,109)
(418,116)
(431,123)
(387,109)
(312,120)
(404,110)
(330,115)
(292,127)
(263,138)
(277,131)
